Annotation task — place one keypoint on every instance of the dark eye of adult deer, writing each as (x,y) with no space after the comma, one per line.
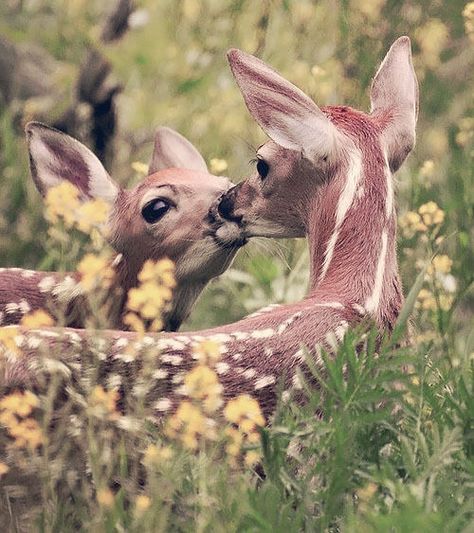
(263,168)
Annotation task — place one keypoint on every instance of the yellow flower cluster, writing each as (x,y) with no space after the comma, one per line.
(63,202)
(152,296)
(189,424)
(466,129)
(14,412)
(96,272)
(7,340)
(155,455)
(244,412)
(429,215)
(37,319)
(441,264)
(217,165)
(432,38)
(105,498)
(104,403)
(140,168)
(468,14)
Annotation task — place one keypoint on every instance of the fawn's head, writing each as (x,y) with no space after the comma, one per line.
(310,148)
(165,215)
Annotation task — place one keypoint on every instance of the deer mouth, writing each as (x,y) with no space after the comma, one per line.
(226,234)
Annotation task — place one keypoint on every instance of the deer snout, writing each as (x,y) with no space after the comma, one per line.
(226,207)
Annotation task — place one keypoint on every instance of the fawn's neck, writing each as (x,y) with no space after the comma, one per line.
(126,277)
(352,235)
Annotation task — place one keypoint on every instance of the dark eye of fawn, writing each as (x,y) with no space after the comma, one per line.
(262,168)
(155,209)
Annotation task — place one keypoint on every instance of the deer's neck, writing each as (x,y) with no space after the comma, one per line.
(126,277)
(352,235)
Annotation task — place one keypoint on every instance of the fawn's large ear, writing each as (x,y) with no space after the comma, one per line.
(172,150)
(56,157)
(394,95)
(284,112)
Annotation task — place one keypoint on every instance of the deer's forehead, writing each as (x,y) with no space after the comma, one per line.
(183,180)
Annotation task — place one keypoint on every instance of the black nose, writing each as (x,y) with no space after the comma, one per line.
(226,207)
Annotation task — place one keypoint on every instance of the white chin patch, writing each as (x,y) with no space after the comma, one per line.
(229,233)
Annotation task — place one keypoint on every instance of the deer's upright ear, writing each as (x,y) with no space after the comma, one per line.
(284,112)
(56,157)
(394,95)
(172,150)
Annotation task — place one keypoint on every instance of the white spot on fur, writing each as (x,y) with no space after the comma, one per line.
(237,356)
(27,274)
(263,310)
(296,381)
(46,284)
(1,317)
(340,331)
(222,368)
(373,301)
(287,323)
(262,333)
(299,355)
(160,374)
(24,307)
(67,290)
(249,373)
(332,305)
(173,344)
(240,335)
(33,342)
(359,309)
(19,340)
(260,383)
(172,359)
(268,352)
(11,308)
(163,405)
(178,378)
(121,343)
(346,199)
(285,396)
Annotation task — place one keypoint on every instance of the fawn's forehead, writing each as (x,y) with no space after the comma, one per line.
(184,179)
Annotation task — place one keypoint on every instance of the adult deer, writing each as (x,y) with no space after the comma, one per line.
(165,215)
(327,174)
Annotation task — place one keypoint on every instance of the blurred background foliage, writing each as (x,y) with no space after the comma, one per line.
(165,65)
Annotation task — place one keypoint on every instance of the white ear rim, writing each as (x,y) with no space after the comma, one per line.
(46,165)
(172,150)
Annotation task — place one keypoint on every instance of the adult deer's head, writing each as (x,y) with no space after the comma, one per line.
(314,152)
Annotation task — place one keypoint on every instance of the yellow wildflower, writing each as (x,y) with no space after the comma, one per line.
(468,14)
(142,503)
(135,323)
(140,168)
(188,423)
(426,300)
(3,469)
(202,384)
(105,497)
(37,319)
(441,264)
(27,433)
(410,223)
(8,336)
(432,38)
(91,215)
(252,457)
(19,403)
(244,407)
(427,169)
(95,272)
(155,455)
(217,165)
(104,403)
(431,213)
(207,352)
(61,203)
